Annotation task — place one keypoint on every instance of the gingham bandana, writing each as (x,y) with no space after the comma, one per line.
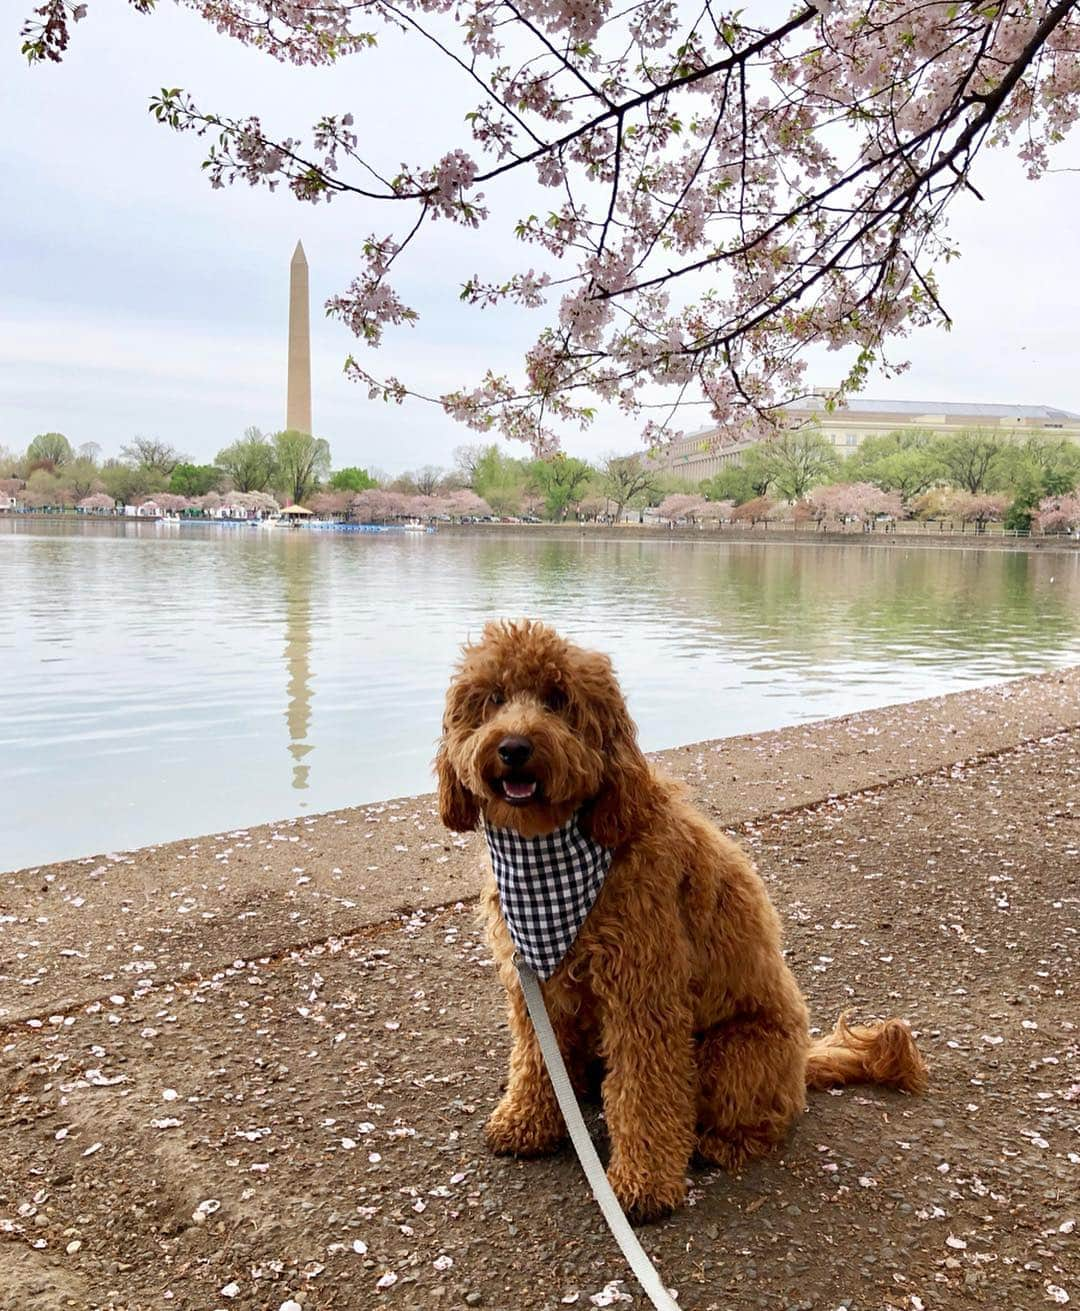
(547,886)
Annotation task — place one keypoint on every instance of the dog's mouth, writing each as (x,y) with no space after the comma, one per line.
(517,789)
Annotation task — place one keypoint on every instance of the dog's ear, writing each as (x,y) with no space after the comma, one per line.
(457,806)
(626,794)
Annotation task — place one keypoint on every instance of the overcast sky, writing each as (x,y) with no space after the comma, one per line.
(135,300)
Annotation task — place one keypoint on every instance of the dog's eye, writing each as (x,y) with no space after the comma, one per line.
(555,699)
(496,698)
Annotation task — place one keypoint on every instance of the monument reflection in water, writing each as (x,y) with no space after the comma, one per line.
(295,561)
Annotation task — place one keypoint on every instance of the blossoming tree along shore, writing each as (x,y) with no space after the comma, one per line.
(724,192)
(1059,514)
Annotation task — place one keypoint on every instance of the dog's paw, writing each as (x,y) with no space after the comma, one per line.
(643,1196)
(514,1131)
(733,1151)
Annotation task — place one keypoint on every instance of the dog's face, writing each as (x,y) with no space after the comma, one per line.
(535,729)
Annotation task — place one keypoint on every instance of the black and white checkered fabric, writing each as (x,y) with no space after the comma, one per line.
(547,886)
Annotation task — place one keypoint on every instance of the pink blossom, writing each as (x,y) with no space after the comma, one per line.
(759,510)
(977,508)
(171,504)
(854,503)
(682,506)
(466,503)
(330,503)
(1059,514)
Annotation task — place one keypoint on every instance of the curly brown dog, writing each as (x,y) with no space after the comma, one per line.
(676,984)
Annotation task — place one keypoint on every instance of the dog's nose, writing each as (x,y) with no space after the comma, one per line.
(514,751)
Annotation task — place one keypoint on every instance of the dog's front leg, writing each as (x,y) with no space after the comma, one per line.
(527,1121)
(649,1090)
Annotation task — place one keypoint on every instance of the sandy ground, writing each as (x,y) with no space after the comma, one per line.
(252,1069)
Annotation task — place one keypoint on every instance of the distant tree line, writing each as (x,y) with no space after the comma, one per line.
(296,468)
(975,477)
(53,473)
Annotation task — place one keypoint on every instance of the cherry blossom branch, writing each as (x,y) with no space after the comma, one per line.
(725,196)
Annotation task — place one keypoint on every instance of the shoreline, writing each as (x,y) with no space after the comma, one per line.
(774,536)
(903,537)
(348,869)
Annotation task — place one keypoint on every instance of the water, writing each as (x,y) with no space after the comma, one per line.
(160,682)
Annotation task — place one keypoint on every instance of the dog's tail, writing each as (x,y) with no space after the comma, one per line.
(876,1053)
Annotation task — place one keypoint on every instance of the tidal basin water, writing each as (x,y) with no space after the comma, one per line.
(162,681)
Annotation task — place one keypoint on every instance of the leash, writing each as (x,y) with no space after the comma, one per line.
(644,1270)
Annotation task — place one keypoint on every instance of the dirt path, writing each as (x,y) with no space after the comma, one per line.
(304,1124)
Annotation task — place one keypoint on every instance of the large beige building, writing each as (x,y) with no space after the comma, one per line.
(703,454)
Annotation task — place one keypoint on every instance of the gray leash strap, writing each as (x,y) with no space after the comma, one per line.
(644,1270)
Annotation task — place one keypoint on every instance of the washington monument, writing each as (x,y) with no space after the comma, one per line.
(298,398)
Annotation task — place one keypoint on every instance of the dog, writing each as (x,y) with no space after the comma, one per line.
(675,988)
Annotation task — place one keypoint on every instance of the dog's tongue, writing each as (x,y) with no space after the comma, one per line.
(518,791)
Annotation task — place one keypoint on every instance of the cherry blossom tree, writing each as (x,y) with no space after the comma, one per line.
(377,506)
(887,505)
(682,505)
(798,512)
(759,510)
(466,504)
(713,193)
(333,503)
(978,508)
(848,503)
(261,503)
(1059,514)
(420,507)
(171,503)
(718,512)
(248,504)
(97,503)
(397,505)
(833,503)
(364,506)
